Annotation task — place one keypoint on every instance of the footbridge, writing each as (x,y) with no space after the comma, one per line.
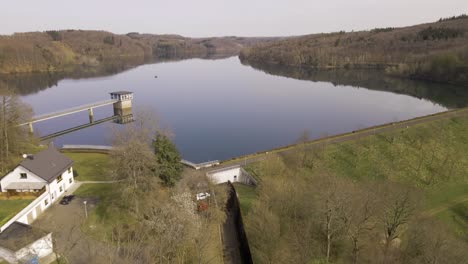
(121,101)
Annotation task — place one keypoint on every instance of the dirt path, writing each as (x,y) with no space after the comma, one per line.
(441,208)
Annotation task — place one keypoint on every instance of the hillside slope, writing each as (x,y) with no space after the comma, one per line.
(435,51)
(53,51)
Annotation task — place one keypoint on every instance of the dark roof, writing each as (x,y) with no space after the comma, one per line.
(121,92)
(47,164)
(19,235)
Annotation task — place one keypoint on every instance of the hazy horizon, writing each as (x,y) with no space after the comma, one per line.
(209,18)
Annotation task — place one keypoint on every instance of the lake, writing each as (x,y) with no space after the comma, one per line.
(219,109)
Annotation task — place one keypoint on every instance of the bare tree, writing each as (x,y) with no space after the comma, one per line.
(332,199)
(133,161)
(359,218)
(398,207)
(14,139)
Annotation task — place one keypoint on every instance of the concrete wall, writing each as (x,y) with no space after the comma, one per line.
(233,174)
(8,255)
(34,209)
(30,212)
(42,248)
(14,176)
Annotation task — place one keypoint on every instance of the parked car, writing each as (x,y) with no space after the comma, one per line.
(202,196)
(67,199)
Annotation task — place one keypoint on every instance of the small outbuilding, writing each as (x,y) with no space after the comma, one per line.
(232,174)
(22,243)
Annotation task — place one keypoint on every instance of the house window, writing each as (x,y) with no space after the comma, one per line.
(23,176)
(70,180)
(61,189)
(69,170)
(46,202)
(59,178)
(52,196)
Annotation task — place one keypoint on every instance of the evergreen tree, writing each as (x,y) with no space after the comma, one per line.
(168,159)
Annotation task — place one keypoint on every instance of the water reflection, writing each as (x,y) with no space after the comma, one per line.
(30,83)
(219,109)
(449,96)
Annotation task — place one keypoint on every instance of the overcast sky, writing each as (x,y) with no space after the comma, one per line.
(221,17)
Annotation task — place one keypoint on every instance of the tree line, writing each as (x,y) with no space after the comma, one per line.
(361,202)
(436,52)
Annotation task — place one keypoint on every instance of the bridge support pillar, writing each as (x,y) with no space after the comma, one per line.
(31,129)
(91,115)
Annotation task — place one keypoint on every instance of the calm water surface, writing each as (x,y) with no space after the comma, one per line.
(219,109)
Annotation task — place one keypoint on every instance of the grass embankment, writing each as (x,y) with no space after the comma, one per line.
(431,157)
(9,208)
(456,218)
(90,166)
(246,195)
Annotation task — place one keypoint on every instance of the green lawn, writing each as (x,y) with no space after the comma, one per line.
(456,218)
(246,196)
(90,166)
(9,208)
(444,193)
(107,214)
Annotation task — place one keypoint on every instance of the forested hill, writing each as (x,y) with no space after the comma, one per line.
(436,51)
(52,51)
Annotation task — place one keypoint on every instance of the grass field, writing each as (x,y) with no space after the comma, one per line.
(432,157)
(246,196)
(9,208)
(456,218)
(90,166)
(106,215)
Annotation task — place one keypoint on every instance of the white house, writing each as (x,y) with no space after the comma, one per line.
(47,175)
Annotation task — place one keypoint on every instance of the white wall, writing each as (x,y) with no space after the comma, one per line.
(233,174)
(14,176)
(54,186)
(8,255)
(22,216)
(41,248)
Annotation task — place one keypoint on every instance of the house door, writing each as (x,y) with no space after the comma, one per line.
(30,217)
(38,211)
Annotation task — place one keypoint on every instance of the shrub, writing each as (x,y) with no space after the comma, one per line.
(109,40)
(55,35)
(431,33)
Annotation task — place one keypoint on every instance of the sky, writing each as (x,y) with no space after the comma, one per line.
(204,18)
